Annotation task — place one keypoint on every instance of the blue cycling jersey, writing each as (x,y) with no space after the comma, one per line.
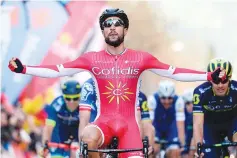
(219,114)
(65,122)
(216,109)
(88,99)
(163,117)
(164,120)
(145,115)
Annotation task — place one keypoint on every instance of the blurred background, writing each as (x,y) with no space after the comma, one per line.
(182,33)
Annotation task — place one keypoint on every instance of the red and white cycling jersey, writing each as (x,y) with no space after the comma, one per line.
(117,80)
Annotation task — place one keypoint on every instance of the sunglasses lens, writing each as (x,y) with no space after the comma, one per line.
(225,81)
(68,99)
(107,24)
(110,22)
(74,99)
(219,81)
(188,102)
(169,98)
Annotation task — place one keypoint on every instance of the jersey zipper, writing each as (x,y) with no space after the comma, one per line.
(116,76)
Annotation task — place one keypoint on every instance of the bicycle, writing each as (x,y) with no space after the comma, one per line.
(165,143)
(67,146)
(223,152)
(113,152)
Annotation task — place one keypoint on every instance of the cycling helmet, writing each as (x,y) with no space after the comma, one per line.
(114,12)
(188,95)
(71,87)
(166,89)
(222,63)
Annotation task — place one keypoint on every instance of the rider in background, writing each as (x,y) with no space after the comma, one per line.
(215,109)
(146,127)
(187,96)
(167,113)
(63,120)
(88,104)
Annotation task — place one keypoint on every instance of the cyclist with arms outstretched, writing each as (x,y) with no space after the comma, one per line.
(89,108)
(215,109)
(117,73)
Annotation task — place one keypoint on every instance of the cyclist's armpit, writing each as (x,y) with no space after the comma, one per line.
(66,69)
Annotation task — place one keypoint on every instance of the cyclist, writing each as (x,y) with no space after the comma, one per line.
(63,120)
(168,118)
(147,129)
(89,109)
(187,96)
(116,71)
(88,105)
(215,109)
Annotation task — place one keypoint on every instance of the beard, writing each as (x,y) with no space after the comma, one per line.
(115,43)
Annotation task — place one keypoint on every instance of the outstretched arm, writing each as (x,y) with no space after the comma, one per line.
(180,74)
(50,71)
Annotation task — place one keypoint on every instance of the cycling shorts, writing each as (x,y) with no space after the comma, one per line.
(170,135)
(212,135)
(125,129)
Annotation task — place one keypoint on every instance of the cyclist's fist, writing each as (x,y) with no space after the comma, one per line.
(15,65)
(216,75)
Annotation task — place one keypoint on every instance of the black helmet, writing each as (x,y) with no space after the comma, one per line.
(114,12)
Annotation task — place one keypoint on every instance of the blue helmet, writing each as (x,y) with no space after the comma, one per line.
(71,87)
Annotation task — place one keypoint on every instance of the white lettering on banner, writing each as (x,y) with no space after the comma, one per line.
(113,71)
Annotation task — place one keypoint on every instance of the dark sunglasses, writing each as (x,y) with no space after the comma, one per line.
(116,22)
(73,99)
(188,102)
(169,98)
(220,81)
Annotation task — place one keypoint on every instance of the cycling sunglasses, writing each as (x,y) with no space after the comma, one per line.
(116,22)
(169,98)
(73,99)
(220,81)
(188,102)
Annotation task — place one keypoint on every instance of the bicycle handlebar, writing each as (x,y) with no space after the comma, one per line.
(167,142)
(62,146)
(200,146)
(114,150)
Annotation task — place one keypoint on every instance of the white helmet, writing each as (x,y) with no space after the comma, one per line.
(188,95)
(166,88)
